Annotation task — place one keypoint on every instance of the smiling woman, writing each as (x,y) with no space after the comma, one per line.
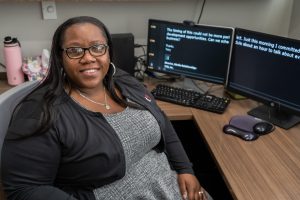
(85,68)
(91,131)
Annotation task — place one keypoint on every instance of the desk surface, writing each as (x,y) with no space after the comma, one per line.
(4,86)
(267,168)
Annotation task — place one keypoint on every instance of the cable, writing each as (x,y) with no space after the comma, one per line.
(139,69)
(198,87)
(140,63)
(200,14)
(2,65)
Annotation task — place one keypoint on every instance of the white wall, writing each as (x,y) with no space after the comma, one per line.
(271,16)
(24,19)
(294,31)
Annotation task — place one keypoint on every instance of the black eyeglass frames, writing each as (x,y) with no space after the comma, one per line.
(78,52)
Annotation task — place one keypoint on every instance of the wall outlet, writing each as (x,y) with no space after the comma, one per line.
(49,9)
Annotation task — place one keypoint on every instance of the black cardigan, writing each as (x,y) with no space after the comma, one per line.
(80,152)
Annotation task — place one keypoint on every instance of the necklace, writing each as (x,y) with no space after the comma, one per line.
(105,104)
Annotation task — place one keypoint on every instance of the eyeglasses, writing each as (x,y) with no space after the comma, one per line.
(78,52)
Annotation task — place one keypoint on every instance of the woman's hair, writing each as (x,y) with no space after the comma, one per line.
(57,78)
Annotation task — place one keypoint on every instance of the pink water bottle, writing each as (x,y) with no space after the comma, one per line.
(13,61)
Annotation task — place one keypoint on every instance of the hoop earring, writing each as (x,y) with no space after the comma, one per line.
(112,64)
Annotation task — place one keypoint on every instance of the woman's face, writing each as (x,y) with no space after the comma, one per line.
(89,71)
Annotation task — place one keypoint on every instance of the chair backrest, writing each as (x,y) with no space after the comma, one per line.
(8,102)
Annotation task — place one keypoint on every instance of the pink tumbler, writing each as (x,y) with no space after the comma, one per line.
(13,61)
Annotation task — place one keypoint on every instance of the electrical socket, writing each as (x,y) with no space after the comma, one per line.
(49,9)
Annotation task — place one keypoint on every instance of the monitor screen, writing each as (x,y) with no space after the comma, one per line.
(266,68)
(199,52)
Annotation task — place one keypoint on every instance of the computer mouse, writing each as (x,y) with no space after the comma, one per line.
(245,135)
(263,128)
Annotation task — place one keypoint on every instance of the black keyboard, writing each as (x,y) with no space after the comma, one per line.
(190,98)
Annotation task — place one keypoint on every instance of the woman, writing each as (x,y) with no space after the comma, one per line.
(91,131)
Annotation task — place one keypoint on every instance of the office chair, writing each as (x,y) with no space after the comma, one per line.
(8,102)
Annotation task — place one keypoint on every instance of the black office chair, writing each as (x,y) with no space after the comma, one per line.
(8,102)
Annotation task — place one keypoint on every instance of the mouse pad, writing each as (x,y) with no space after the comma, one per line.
(244,122)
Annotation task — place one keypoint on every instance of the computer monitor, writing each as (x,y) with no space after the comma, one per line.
(199,52)
(266,68)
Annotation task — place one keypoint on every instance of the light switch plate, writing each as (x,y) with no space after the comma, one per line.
(49,9)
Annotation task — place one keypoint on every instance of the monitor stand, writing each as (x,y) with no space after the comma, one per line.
(275,116)
(189,84)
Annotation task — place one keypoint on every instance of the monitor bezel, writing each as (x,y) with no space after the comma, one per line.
(281,107)
(154,69)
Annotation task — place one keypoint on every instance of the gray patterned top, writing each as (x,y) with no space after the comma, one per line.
(148,173)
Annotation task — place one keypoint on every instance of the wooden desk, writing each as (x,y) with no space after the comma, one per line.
(265,169)
(4,86)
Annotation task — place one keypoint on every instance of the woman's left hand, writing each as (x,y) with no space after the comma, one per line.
(190,187)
